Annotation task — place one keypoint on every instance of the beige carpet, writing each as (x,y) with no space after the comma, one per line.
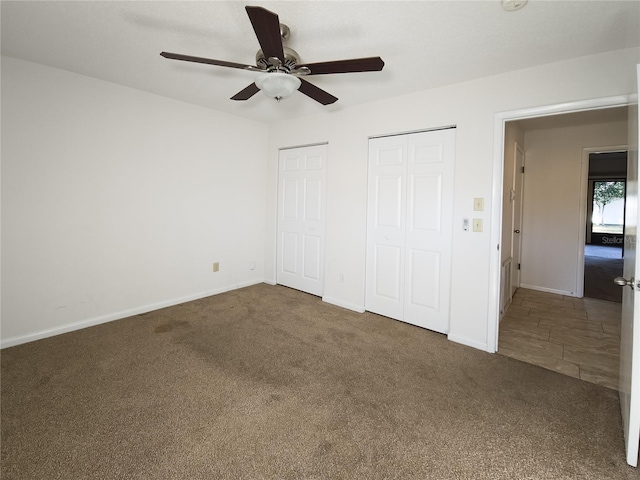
(599,273)
(268,382)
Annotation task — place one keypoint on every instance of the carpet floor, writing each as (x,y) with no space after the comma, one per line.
(268,382)
(599,273)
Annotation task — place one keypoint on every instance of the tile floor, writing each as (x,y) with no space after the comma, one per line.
(579,337)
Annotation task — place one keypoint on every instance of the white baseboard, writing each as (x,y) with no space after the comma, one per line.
(547,290)
(110,317)
(347,305)
(469,343)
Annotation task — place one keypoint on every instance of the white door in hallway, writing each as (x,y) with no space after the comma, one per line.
(518,189)
(630,329)
(409,227)
(302,176)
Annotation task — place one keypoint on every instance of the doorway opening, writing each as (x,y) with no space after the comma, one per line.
(500,121)
(549,323)
(604,235)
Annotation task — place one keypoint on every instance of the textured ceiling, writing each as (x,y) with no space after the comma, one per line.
(424,44)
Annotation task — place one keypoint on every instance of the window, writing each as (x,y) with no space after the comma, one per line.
(608,206)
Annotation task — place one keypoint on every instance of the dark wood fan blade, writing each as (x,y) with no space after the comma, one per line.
(247,93)
(267,27)
(210,61)
(368,64)
(319,95)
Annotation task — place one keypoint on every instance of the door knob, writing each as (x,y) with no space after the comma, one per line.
(516,231)
(623,282)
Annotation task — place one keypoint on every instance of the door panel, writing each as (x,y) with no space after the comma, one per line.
(429,230)
(313,199)
(389,154)
(426,153)
(311,257)
(386,284)
(290,198)
(409,227)
(388,267)
(314,162)
(289,255)
(388,201)
(516,240)
(424,272)
(630,329)
(425,205)
(301,218)
(385,227)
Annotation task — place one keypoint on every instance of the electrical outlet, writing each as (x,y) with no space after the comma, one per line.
(252,265)
(341,277)
(216,266)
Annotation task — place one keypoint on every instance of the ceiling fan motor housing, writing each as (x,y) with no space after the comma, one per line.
(291,59)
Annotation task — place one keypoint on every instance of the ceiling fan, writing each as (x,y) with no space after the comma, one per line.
(279,66)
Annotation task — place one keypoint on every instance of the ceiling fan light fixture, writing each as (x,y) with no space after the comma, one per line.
(277,85)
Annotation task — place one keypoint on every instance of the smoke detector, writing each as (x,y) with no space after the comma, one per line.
(513,5)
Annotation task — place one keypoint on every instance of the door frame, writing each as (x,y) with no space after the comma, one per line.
(500,118)
(584,196)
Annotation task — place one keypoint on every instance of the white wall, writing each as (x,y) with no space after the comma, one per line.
(552,202)
(472,107)
(115,201)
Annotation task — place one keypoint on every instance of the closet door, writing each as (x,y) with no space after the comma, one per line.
(409,230)
(301,218)
(386,226)
(429,229)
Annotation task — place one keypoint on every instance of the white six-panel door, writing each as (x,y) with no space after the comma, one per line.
(386,226)
(301,218)
(409,227)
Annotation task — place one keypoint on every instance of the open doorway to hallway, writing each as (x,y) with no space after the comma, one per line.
(547,321)
(604,230)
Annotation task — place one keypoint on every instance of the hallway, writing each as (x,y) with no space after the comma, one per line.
(579,337)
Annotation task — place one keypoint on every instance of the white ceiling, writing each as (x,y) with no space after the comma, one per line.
(424,44)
